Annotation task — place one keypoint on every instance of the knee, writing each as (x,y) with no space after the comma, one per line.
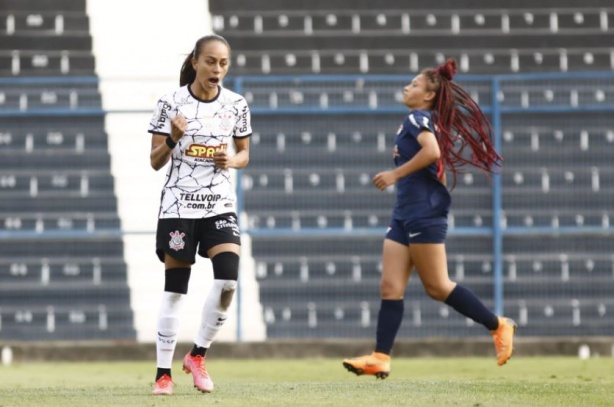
(225,274)
(437,292)
(390,290)
(228,289)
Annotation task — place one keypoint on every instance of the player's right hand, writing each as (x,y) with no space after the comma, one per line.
(178,127)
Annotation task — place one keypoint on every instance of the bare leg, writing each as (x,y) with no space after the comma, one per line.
(397,267)
(432,265)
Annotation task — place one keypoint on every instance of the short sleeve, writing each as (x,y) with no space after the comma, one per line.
(419,120)
(161,120)
(243,126)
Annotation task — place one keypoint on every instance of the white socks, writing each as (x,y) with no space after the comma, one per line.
(213,317)
(214,311)
(168,327)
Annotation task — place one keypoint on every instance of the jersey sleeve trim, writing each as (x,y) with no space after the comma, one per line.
(158,132)
(420,121)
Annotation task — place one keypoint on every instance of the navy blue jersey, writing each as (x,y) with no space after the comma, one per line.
(421,198)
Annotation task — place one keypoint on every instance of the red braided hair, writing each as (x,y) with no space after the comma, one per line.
(459,123)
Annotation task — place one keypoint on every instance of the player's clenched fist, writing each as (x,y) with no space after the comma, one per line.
(178,127)
(222,159)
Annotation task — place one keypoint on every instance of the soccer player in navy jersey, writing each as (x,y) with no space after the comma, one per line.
(196,128)
(443,124)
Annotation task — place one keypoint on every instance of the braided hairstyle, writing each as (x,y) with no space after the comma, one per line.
(459,123)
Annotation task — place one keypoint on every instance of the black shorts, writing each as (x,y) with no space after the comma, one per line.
(180,238)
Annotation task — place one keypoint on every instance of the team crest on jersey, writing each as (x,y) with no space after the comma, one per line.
(176,243)
(225,119)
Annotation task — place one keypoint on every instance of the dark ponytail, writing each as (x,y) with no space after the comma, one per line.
(187,73)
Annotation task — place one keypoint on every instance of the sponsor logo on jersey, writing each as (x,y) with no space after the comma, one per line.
(231,223)
(202,151)
(176,243)
(200,197)
(163,116)
(243,120)
(201,201)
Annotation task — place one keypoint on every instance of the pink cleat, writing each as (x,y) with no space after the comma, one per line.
(164,386)
(196,366)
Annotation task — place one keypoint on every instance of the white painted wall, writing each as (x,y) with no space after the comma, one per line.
(139,46)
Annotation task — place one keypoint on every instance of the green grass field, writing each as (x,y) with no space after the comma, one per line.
(470,382)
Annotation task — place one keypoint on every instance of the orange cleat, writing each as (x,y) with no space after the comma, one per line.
(196,366)
(504,339)
(164,386)
(376,364)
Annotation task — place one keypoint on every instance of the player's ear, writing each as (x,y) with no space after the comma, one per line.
(430,96)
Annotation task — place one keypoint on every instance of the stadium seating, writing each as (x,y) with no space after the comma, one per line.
(317,223)
(316,175)
(342,36)
(62,269)
(62,26)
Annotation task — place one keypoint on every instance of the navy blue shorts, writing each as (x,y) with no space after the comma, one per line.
(183,238)
(406,234)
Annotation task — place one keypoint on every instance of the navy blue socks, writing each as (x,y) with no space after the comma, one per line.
(466,303)
(461,299)
(388,323)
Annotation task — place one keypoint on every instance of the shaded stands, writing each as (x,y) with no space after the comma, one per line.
(317,223)
(62,269)
(351,37)
(39,38)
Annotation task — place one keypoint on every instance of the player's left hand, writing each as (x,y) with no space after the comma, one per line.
(222,160)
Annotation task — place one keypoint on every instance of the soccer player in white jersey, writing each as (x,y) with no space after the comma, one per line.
(196,128)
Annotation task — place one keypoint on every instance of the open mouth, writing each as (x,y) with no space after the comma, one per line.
(214,81)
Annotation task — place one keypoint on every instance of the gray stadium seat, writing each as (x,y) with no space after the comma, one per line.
(63,275)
